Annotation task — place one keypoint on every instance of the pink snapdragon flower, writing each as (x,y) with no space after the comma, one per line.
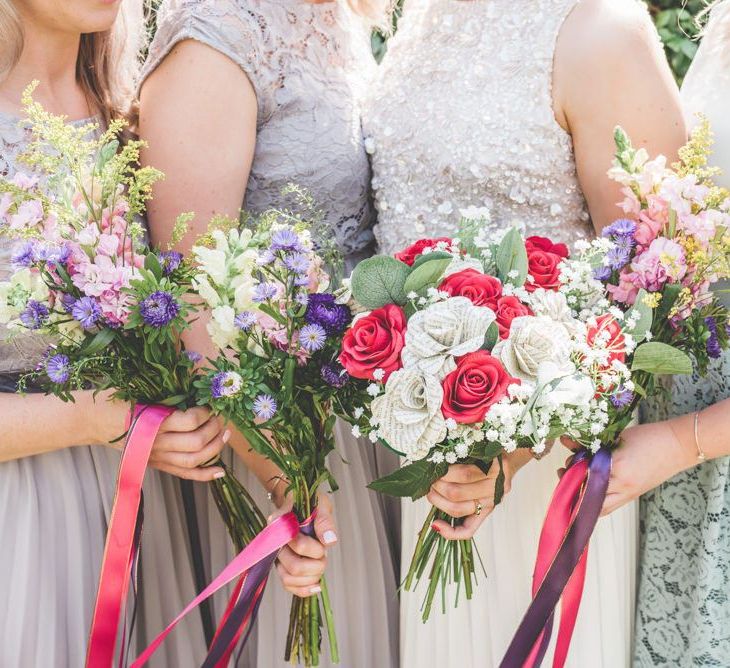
(627,289)
(664,261)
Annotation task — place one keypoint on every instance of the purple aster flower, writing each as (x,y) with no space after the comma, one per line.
(34,315)
(23,254)
(52,254)
(285,239)
(602,273)
(334,374)
(226,384)
(245,320)
(714,350)
(323,310)
(86,311)
(297,262)
(169,261)
(711,324)
(264,258)
(264,407)
(619,228)
(193,356)
(301,281)
(618,257)
(264,292)
(312,337)
(302,298)
(625,243)
(58,369)
(68,301)
(159,309)
(622,397)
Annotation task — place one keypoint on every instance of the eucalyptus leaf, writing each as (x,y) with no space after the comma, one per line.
(661,358)
(378,281)
(491,337)
(413,480)
(512,256)
(426,275)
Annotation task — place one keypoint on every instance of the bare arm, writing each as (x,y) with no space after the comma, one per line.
(610,70)
(198,114)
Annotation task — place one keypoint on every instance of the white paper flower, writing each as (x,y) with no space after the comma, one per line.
(532,341)
(445,330)
(564,389)
(461,263)
(409,412)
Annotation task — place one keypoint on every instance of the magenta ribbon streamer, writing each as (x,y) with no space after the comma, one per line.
(538,619)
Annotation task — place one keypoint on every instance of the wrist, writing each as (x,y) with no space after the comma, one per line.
(110,421)
(685,442)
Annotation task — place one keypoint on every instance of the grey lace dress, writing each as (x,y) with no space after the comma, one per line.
(308,65)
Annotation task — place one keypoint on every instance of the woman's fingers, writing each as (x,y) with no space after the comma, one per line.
(463,531)
(459,508)
(205,474)
(191,460)
(189,441)
(457,493)
(188,420)
(324,523)
(464,474)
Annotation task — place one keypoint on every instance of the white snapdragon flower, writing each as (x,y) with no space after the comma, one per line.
(443,331)
(408,413)
(222,328)
(207,292)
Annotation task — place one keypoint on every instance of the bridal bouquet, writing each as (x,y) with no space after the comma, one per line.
(466,350)
(113,308)
(279,331)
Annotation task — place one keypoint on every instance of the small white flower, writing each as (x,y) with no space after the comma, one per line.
(379,374)
(437,457)
(373,389)
(450,458)
(356,431)
(451,424)
(358,412)
(462,450)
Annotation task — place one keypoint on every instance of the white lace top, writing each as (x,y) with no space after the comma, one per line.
(461,115)
(308,64)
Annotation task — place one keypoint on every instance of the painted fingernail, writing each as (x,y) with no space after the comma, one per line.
(220,474)
(436,528)
(329,537)
(226,435)
(315,590)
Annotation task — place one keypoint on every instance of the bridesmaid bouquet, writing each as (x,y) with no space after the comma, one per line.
(656,268)
(279,331)
(113,308)
(470,349)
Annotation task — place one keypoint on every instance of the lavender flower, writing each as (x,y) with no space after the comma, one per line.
(159,309)
(34,315)
(622,397)
(714,350)
(264,407)
(619,228)
(169,261)
(297,262)
(23,254)
(323,310)
(193,356)
(263,292)
(86,311)
(334,374)
(226,384)
(58,369)
(312,337)
(285,239)
(245,320)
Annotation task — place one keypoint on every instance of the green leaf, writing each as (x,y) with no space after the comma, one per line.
(100,341)
(152,264)
(491,337)
(107,152)
(412,480)
(426,275)
(661,358)
(669,297)
(499,483)
(427,257)
(378,281)
(512,256)
(645,317)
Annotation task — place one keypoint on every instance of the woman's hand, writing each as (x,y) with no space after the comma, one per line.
(466,489)
(649,455)
(186,441)
(302,562)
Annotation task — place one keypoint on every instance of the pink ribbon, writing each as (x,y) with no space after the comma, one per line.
(274,537)
(120,545)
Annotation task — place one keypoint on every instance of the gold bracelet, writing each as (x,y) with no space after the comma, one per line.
(700,452)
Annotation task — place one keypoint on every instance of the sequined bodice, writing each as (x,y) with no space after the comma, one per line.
(461,115)
(308,64)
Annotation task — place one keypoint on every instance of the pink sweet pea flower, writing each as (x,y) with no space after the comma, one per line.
(662,262)
(24,181)
(5,203)
(626,290)
(29,213)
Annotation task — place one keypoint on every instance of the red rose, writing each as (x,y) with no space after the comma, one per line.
(410,254)
(480,289)
(478,381)
(507,309)
(543,267)
(374,342)
(544,244)
(607,335)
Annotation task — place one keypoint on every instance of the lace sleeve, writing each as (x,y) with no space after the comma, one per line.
(226,26)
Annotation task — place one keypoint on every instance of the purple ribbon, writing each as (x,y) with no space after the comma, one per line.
(539,616)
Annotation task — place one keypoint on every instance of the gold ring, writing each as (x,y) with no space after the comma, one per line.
(478,508)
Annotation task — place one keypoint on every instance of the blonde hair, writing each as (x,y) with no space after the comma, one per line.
(107,64)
